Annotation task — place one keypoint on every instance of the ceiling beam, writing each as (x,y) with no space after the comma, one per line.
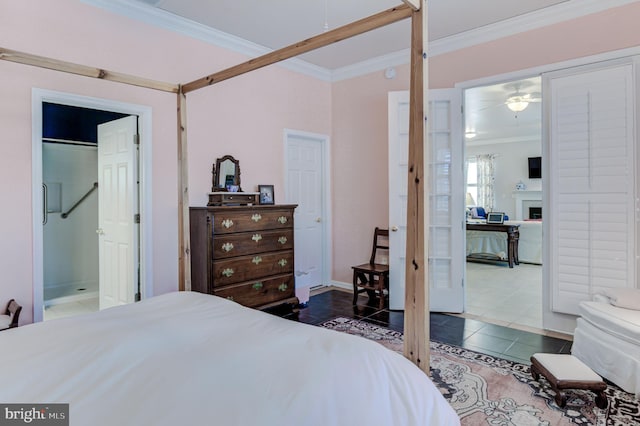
(69,67)
(413,4)
(378,20)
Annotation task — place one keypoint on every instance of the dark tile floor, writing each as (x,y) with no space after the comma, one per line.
(490,339)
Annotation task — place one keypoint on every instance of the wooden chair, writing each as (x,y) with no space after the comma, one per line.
(11,315)
(373,277)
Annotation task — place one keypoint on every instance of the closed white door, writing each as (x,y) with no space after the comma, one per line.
(117,209)
(398,163)
(305,187)
(446,205)
(592,215)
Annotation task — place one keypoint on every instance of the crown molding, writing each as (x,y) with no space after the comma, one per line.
(561,12)
(571,9)
(163,19)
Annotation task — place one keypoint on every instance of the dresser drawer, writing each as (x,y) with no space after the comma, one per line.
(245,268)
(258,293)
(251,220)
(231,245)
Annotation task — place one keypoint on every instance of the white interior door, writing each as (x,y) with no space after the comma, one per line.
(117,207)
(398,164)
(446,204)
(304,187)
(593,208)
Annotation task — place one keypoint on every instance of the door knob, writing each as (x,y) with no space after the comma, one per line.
(318,219)
(394,228)
(100,231)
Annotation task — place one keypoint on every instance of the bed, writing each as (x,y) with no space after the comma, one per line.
(195,359)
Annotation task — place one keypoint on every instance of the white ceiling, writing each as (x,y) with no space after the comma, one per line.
(278,23)
(487,116)
(274,24)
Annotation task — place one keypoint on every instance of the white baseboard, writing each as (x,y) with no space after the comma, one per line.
(69,299)
(342,285)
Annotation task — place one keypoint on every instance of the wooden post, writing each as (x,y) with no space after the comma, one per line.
(416,313)
(184,254)
(378,20)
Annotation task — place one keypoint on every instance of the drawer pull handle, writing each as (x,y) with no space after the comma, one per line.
(282,262)
(227,247)
(257,260)
(227,272)
(227,223)
(283,287)
(256,217)
(282,219)
(230,298)
(256,237)
(257,286)
(282,240)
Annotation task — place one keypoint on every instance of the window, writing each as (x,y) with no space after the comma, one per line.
(472,182)
(480,178)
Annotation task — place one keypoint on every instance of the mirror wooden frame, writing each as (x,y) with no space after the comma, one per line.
(216,187)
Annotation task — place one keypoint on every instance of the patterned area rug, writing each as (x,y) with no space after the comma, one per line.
(485,390)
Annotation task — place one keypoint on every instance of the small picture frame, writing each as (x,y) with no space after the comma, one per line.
(266,194)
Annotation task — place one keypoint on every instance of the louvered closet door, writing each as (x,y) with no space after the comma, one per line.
(591,149)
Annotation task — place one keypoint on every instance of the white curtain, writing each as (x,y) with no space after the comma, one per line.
(486,178)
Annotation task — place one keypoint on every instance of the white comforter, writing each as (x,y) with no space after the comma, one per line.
(193,359)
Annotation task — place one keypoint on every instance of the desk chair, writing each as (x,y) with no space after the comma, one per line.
(11,315)
(373,277)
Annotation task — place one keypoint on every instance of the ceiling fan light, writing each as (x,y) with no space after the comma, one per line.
(517,105)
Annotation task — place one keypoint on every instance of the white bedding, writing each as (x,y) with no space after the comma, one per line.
(487,242)
(194,359)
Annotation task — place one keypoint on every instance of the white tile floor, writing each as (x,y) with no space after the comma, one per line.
(506,296)
(71,308)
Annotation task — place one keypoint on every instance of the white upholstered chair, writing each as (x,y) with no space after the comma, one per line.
(607,339)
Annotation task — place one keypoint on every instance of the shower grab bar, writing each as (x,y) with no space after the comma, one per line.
(93,188)
(45,201)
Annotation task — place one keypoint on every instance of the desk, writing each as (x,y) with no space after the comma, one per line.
(513,235)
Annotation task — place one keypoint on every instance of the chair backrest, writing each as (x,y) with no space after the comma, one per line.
(13,309)
(380,241)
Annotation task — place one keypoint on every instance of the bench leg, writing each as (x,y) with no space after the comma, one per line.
(535,373)
(561,398)
(601,400)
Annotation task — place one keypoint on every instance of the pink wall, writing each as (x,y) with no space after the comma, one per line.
(360,169)
(244,117)
(360,114)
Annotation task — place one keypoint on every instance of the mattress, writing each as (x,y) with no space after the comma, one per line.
(194,359)
(619,322)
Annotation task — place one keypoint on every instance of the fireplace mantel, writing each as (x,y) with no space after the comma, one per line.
(522,197)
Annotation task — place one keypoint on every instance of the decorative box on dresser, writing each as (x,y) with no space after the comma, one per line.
(244,253)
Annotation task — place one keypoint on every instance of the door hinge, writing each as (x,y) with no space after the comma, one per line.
(136,218)
(136,139)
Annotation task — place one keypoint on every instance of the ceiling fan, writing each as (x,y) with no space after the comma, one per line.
(518,101)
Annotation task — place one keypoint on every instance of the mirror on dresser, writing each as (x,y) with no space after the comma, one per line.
(226,175)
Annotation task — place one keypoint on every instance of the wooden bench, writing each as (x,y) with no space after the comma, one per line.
(565,371)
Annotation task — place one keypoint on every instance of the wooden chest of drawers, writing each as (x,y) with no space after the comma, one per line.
(244,253)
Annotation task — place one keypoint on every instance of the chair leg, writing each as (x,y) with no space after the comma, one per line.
(355,287)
